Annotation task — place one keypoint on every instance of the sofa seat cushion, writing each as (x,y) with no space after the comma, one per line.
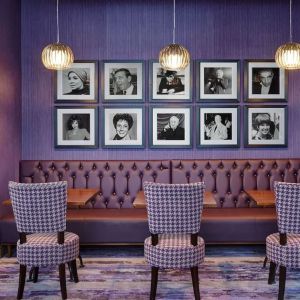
(130,225)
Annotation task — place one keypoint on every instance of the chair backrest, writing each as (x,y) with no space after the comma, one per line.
(174,208)
(39,207)
(288,206)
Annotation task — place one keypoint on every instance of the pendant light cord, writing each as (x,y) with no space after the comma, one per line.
(57,24)
(291,33)
(174,22)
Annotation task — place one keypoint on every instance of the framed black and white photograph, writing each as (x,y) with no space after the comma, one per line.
(79,83)
(123,127)
(219,80)
(170,127)
(169,85)
(76,127)
(265,126)
(123,80)
(264,81)
(218,126)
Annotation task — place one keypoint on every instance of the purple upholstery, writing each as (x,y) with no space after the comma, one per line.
(235,220)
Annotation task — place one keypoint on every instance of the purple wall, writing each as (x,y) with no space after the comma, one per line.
(10,92)
(134,29)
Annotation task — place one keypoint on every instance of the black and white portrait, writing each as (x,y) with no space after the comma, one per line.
(75,127)
(123,80)
(170,84)
(265,81)
(123,127)
(219,80)
(218,126)
(266,125)
(171,127)
(78,83)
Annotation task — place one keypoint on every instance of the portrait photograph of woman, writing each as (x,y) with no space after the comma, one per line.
(170,84)
(75,127)
(266,126)
(78,83)
(218,126)
(123,127)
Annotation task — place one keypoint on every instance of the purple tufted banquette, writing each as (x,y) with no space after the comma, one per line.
(111,218)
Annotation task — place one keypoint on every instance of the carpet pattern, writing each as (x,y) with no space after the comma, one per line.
(128,277)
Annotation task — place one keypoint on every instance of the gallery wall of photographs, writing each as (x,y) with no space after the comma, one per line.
(109,103)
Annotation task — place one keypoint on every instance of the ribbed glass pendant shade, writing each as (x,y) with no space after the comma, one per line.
(57,56)
(174,57)
(288,56)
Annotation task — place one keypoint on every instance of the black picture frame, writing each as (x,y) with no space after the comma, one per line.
(131,122)
(212,135)
(162,137)
(77,84)
(218,80)
(85,137)
(266,126)
(112,83)
(257,71)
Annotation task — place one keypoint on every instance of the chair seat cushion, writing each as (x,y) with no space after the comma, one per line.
(285,255)
(42,249)
(174,251)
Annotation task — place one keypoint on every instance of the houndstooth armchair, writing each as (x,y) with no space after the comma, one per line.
(174,216)
(283,248)
(40,214)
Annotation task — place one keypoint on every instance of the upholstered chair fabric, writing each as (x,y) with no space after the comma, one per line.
(283,248)
(174,208)
(288,206)
(39,207)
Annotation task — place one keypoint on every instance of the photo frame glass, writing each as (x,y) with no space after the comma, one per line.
(78,83)
(219,80)
(170,85)
(265,81)
(218,126)
(76,127)
(266,126)
(123,127)
(123,81)
(171,126)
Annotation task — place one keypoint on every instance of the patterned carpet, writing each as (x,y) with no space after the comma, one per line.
(121,273)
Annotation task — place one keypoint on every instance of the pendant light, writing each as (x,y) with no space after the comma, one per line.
(174,56)
(57,56)
(287,56)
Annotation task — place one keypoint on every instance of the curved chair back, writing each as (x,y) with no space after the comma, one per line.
(39,207)
(174,208)
(287,206)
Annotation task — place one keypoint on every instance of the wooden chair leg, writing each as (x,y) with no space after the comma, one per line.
(282,279)
(272,272)
(9,250)
(74,270)
(81,265)
(70,271)
(195,279)
(265,262)
(22,277)
(154,276)
(1,250)
(62,280)
(35,274)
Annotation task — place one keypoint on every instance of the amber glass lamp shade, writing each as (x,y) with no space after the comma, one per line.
(57,56)
(288,56)
(174,57)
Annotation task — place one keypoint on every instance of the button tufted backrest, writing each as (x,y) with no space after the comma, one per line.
(228,179)
(119,181)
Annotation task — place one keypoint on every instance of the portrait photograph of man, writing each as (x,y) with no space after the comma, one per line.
(170,126)
(265,80)
(123,81)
